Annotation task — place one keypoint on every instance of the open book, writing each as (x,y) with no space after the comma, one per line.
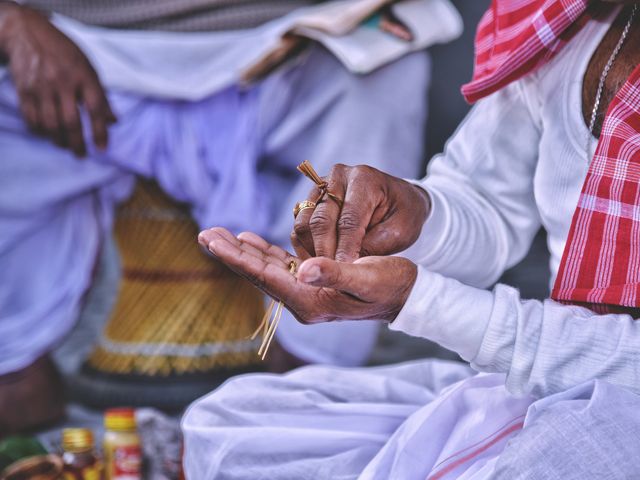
(348,28)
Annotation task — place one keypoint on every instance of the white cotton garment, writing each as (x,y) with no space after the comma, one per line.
(194,65)
(230,156)
(428,419)
(517,162)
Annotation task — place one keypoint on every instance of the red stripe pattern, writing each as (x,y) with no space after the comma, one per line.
(601,260)
(515,37)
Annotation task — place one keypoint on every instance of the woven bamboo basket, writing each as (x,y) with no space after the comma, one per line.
(182,321)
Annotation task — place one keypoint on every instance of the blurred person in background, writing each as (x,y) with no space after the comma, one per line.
(554,140)
(94,94)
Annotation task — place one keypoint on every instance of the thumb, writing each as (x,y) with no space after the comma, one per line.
(356,279)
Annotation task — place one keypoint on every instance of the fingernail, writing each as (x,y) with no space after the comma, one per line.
(310,274)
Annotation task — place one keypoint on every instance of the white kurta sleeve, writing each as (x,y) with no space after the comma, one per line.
(483,217)
(543,347)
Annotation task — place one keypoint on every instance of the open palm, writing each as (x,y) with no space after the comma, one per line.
(323,289)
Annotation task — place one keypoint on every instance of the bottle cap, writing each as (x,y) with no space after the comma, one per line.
(120,419)
(77,439)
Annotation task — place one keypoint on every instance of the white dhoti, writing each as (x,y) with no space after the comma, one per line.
(230,153)
(421,420)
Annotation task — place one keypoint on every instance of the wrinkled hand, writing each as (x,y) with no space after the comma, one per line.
(381,215)
(323,289)
(53,78)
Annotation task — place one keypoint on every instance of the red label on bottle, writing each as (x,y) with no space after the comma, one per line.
(127,463)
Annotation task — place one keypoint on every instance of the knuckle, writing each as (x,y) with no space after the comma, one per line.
(337,170)
(300,229)
(320,223)
(349,221)
(363,171)
(50,76)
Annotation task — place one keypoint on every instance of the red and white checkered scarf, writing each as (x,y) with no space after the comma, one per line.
(601,261)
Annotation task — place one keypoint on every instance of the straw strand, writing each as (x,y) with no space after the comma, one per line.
(308,171)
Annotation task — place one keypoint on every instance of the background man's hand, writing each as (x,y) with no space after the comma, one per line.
(381,215)
(53,78)
(323,289)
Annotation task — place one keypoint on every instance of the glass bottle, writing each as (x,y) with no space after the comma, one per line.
(79,457)
(122,451)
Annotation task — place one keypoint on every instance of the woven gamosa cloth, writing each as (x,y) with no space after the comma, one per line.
(172,15)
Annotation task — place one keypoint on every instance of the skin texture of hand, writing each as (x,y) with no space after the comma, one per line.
(53,78)
(381,215)
(323,289)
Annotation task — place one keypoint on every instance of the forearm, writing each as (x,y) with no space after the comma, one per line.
(464,236)
(483,211)
(543,347)
(546,347)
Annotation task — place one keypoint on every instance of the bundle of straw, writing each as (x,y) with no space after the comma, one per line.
(180,313)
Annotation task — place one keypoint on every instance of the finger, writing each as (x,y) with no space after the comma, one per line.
(270,253)
(394,28)
(261,244)
(99,112)
(267,252)
(48,120)
(111,117)
(352,278)
(205,237)
(301,252)
(372,280)
(29,111)
(323,227)
(355,217)
(72,125)
(301,227)
(273,279)
(324,219)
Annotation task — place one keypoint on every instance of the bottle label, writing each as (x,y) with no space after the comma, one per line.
(88,473)
(127,463)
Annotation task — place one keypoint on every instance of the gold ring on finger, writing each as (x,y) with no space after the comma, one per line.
(302,206)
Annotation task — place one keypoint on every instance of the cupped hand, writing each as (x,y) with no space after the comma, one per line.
(52,78)
(380,215)
(323,289)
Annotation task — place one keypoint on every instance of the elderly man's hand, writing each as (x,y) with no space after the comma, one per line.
(52,78)
(381,215)
(323,289)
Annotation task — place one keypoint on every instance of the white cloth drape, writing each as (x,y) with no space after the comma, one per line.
(517,161)
(231,156)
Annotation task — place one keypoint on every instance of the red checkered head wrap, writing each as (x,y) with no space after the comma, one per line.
(601,260)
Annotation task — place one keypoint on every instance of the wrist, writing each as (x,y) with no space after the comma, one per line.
(447,312)
(403,295)
(425,202)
